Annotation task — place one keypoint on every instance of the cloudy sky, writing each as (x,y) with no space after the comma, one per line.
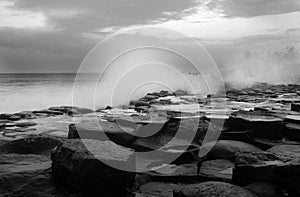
(48,36)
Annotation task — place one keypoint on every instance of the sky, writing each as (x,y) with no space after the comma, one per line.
(48,36)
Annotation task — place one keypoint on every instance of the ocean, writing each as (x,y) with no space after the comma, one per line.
(30,91)
(35,91)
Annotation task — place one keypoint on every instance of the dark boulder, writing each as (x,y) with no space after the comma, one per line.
(227,149)
(208,189)
(90,166)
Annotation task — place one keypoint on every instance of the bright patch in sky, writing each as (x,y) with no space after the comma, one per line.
(209,25)
(19,19)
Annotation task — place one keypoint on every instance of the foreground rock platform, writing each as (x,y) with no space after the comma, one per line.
(256,153)
(25,168)
(80,165)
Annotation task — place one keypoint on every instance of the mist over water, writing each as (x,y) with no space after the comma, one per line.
(280,67)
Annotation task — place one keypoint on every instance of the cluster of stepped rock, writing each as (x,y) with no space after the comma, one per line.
(257,152)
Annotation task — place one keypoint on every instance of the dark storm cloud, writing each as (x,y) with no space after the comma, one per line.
(63,47)
(252,8)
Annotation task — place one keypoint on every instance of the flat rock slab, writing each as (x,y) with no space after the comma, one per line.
(31,145)
(102,130)
(262,124)
(90,166)
(267,167)
(286,151)
(266,144)
(208,189)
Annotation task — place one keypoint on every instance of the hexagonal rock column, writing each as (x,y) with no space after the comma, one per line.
(86,166)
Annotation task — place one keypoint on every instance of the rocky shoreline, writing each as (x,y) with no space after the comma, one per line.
(257,152)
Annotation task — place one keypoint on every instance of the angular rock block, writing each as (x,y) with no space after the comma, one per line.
(280,169)
(88,166)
